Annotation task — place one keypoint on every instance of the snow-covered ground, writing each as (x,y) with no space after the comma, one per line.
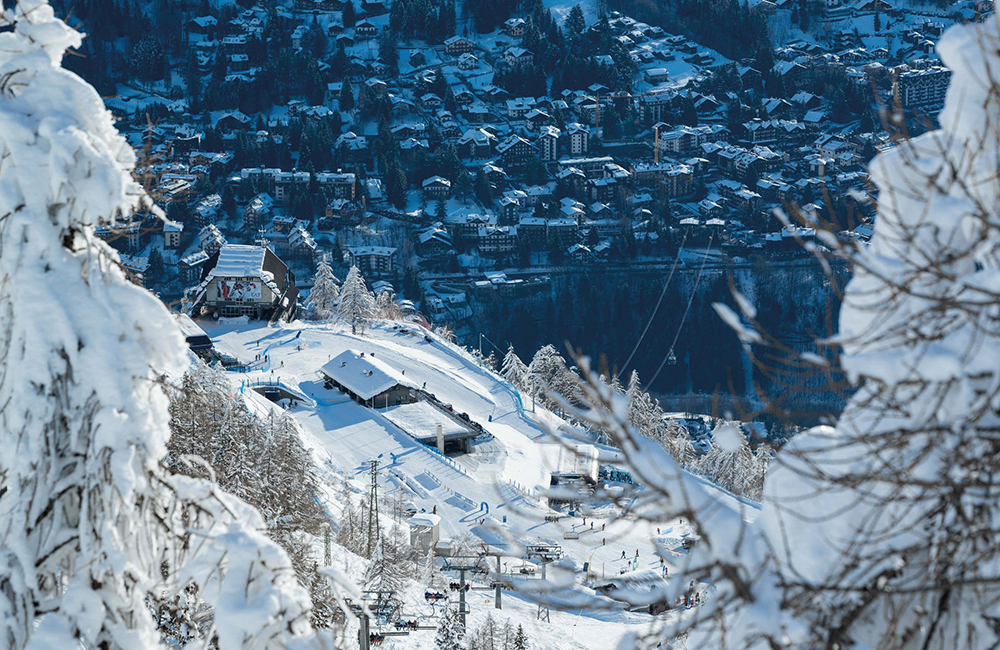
(487,493)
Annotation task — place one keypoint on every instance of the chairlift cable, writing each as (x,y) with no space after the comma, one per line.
(663,293)
(687,310)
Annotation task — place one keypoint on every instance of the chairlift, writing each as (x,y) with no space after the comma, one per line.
(671,358)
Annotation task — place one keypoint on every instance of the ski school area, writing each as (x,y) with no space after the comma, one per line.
(453,440)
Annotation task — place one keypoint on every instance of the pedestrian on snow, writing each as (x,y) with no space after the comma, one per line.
(604,541)
(623,555)
(602,526)
(657,531)
(591,525)
(637,552)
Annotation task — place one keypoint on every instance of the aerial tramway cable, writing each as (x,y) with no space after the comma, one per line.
(657,308)
(671,358)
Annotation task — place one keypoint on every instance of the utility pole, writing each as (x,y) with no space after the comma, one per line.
(461,594)
(364,640)
(496,600)
(373,529)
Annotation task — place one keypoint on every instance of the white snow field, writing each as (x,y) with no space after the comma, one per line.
(488,493)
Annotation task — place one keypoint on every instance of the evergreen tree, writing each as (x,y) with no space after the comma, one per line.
(357,305)
(95,529)
(350,15)
(520,639)
(575,22)
(483,190)
(346,98)
(325,293)
(388,51)
(450,631)
(147,60)
(383,573)
(396,186)
(513,369)
(154,272)
(634,394)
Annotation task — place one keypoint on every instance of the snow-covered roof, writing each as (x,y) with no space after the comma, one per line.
(427,519)
(362,374)
(568,460)
(239,261)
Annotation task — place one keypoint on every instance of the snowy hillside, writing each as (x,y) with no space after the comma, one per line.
(491,492)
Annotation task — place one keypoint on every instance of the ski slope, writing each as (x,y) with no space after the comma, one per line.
(475,493)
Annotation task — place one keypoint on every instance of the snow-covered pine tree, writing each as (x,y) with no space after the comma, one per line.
(357,305)
(634,394)
(544,367)
(325,294)
(616,384)
(450,630)
(513,369)
(520,639)
(677,441)
(487,637)
(384,575)
(507,635)
(445,333)
(428,569)
(94,529)
(386,306)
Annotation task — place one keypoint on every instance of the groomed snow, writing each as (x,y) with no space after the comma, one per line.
(346,435)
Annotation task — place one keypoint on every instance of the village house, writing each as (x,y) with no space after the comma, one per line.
(247,281)
(373,260)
